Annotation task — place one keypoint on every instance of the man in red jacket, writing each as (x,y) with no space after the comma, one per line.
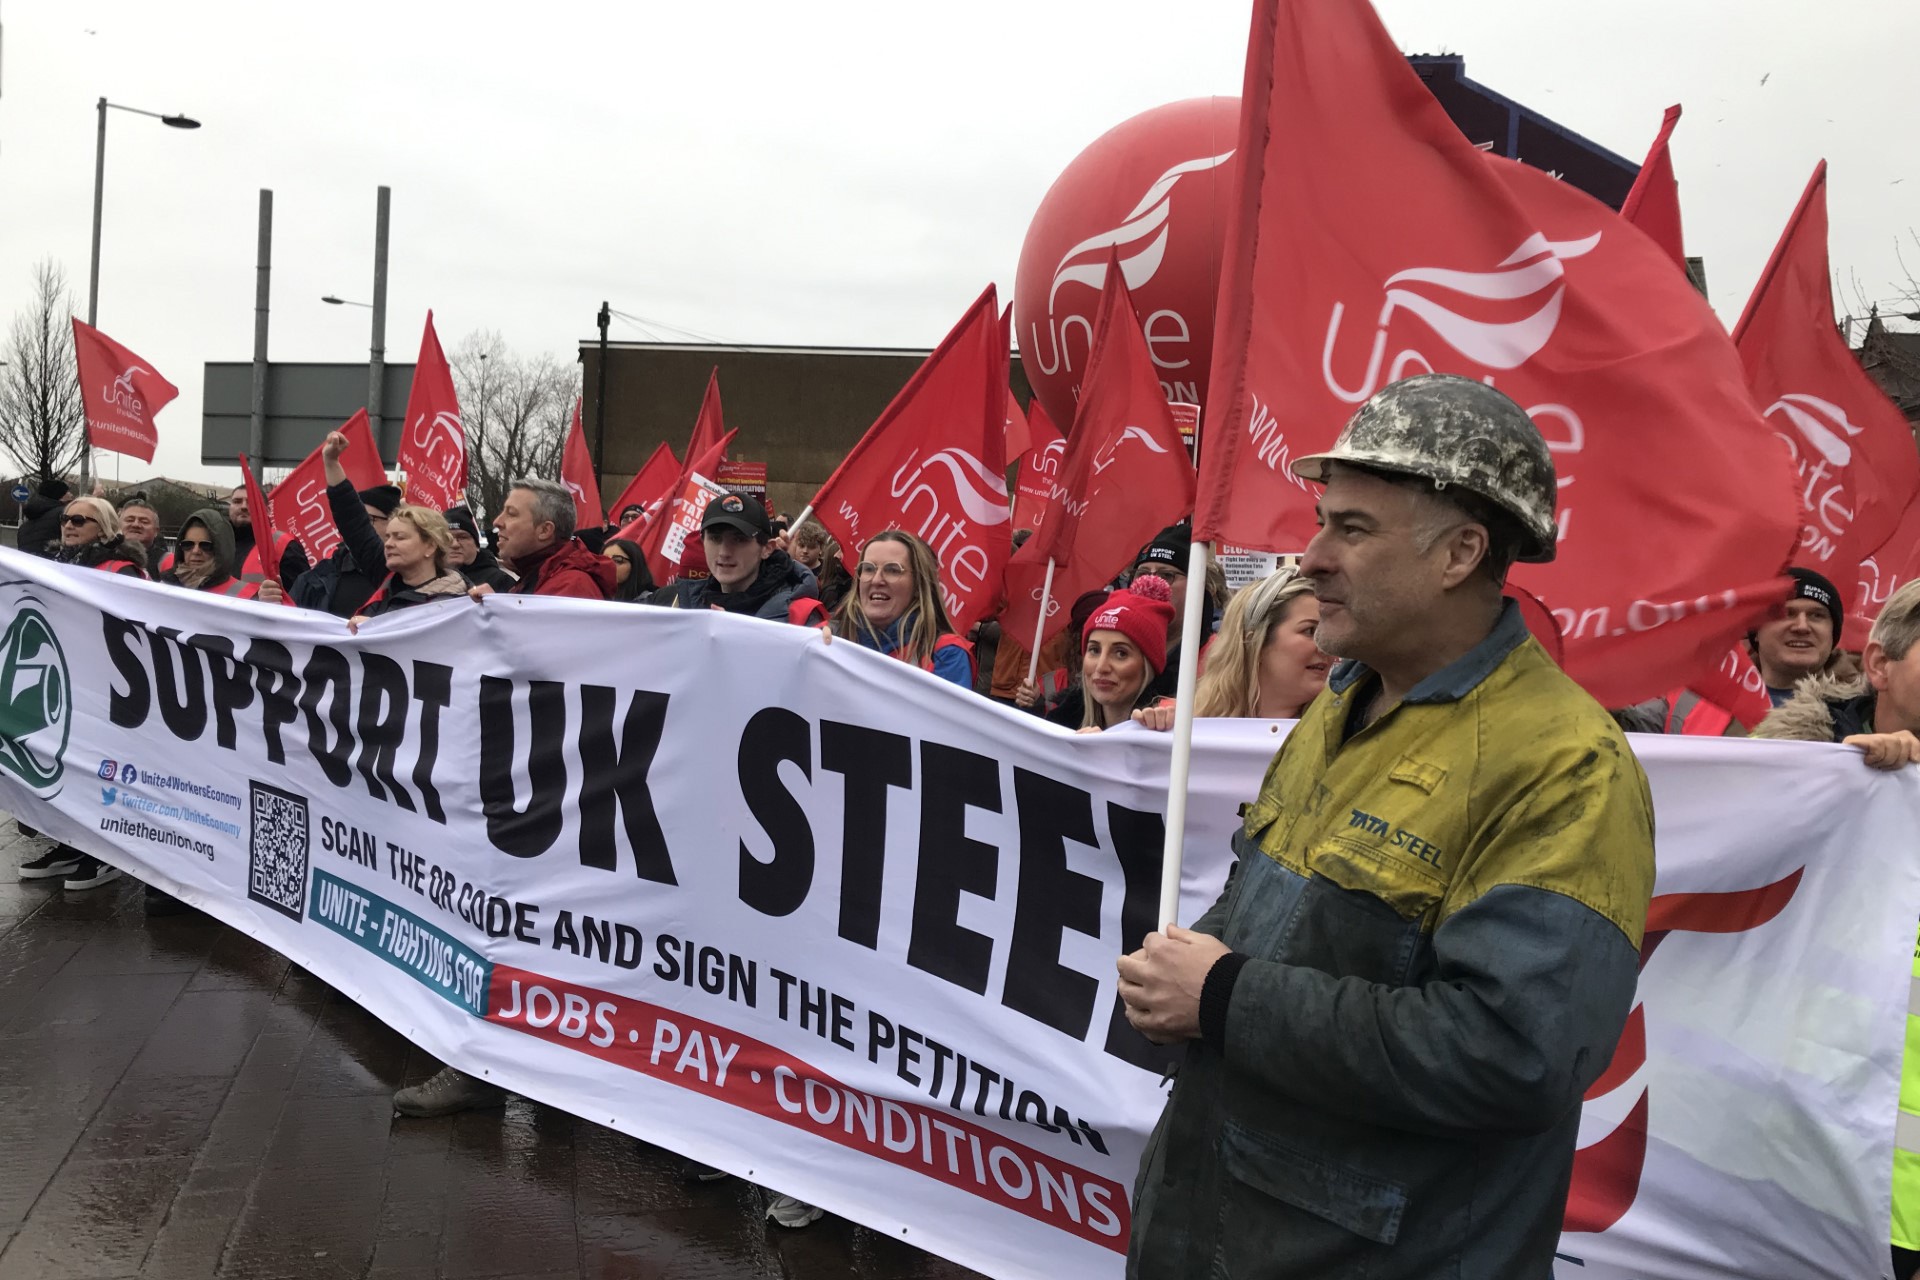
(535,525)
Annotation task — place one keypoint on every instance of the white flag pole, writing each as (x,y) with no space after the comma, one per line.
(795,526)
(1040,627)
(1191,642)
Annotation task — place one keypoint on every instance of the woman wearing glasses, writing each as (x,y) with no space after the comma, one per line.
(204,560)
(90,536)
(632,580)
(895,608)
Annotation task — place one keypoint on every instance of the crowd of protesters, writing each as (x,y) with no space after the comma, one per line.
(1432,661)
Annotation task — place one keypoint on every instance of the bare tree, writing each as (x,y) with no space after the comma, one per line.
(42,423)
(515,411)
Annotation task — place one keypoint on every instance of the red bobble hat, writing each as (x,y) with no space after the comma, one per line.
(1142,613)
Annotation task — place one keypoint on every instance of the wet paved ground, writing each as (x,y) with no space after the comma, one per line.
(178,1101)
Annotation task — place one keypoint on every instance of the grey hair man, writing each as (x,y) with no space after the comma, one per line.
(535,525)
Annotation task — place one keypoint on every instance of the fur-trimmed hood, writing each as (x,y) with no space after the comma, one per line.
(1824,708)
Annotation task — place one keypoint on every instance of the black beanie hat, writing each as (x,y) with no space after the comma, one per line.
(461,520)
(55,489)
(1171,547)
(383,498)
(1808,585)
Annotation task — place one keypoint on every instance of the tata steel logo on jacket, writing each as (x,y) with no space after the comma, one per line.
(948,498)
(1823,451)
(36,706)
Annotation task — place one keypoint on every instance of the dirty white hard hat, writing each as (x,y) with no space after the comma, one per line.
(1457,433)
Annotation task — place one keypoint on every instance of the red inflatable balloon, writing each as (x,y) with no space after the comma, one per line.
(1156,188)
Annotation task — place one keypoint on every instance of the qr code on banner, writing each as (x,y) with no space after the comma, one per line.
(277,852)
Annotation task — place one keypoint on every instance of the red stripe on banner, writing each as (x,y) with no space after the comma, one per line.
(1734,912)
(1606,1175)
(755,1076)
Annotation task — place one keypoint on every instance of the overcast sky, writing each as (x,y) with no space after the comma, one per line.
(833,172)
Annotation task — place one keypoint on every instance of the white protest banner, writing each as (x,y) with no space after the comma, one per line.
(827,922)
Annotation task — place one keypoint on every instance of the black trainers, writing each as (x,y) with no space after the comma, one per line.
(56,863)
(91,873)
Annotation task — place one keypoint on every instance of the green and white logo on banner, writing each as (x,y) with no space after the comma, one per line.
(36,705)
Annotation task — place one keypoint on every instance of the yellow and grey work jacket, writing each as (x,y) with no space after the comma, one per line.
(1435,925)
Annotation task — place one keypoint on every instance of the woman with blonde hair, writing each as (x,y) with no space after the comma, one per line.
(894,608)
(90,537)
(418,542)
(1263,664)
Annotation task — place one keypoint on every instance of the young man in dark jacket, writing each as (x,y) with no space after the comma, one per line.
(748,575)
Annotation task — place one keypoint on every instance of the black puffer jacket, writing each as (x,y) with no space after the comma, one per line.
(40,524)
(782,581)
(485,571)
(92,555)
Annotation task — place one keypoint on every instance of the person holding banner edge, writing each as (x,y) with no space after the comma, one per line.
(1429,944)
(1878,712)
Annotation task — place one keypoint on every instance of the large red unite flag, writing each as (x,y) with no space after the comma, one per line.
(1416,252)
(120,393)
(1852,450)
(934,464)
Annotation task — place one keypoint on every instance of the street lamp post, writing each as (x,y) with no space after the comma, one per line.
(377,350)
(99,191)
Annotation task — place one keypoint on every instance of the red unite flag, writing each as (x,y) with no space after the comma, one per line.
(300,508)
(1653,205)
(1038,470)
(934,464)
(1125,477)
(1851,448)
(275,541)
(1417,252)
(647,490)
(707,426)
(576,472)
(1884,572)
(433,444)
(120,394)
